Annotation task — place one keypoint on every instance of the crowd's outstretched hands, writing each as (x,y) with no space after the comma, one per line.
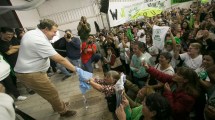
(120,113)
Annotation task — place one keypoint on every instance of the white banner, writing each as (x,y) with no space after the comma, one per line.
(121,12)
(158,36)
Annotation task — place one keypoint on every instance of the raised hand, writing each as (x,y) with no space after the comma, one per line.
(167,87)
(120,113)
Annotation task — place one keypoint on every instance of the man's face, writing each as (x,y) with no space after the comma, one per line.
(7,36)
(50,33)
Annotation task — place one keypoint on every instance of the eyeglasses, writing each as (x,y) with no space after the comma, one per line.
(9,34)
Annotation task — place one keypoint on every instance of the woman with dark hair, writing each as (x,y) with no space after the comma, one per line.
(210,106)
(208,61)
(154,107)
(184,26)
(163,66)
(183,92)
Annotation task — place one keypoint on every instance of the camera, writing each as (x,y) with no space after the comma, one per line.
(68,36)
(90,42)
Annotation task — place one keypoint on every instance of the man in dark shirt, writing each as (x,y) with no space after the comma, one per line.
(8,48)
(73,48)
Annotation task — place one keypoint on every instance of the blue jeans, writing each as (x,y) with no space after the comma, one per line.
(75,62)
(63,69)
(88,66)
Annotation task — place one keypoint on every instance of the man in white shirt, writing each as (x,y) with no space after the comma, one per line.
(33,62)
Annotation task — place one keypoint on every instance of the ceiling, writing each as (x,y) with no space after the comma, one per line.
(9,19)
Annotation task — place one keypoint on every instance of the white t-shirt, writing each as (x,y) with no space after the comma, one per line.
(153,51)
(6,107)
(191,63)
(4,68)
(34,53)
(140,32)
(123,50)
(169,70)
(143,39)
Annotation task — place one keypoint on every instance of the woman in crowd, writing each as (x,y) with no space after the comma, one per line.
(163,66)
(183,91)
(153,51)
(124,48)
(154,107)
(192,58)
(111,62)
(210,106)
(208,61)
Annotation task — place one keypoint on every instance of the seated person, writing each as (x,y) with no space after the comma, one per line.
(154,107)
(107,86)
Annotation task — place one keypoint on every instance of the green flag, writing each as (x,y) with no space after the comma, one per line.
(204,1)
(129,34)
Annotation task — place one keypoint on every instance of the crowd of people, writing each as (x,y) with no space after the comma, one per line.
(175,82)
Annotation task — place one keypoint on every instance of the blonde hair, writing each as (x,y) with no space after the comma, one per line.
(196,45)
(113,74)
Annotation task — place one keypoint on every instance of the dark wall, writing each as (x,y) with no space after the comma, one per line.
(9,19)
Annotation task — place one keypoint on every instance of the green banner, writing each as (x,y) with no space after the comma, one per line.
(179,1)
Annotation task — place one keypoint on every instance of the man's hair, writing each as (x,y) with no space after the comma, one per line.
(68,30)
(6,29)
(46,23)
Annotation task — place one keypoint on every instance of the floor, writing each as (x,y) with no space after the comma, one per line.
(68,90)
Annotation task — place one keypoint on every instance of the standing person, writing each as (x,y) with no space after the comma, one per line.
(60,47)
(73,48)
(19,34)
(89,55)
(83,29)
(8,50)
(33,62)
